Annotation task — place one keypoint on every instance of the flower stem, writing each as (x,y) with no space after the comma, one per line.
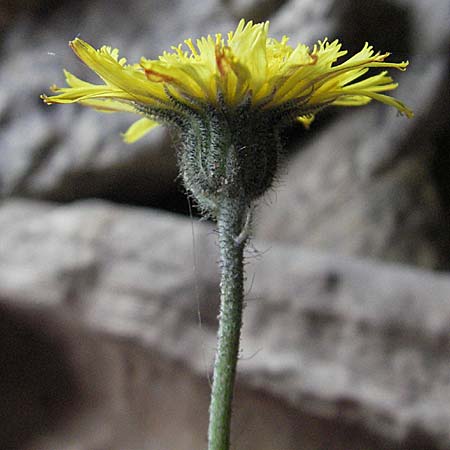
(230,221)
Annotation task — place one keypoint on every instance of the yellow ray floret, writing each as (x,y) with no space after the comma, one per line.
(244,64)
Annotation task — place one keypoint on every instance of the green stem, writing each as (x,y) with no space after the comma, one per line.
(230,221)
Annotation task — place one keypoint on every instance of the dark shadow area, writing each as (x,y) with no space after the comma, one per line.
(384,24)
(37,384)
(129,189)
(441,142)
(174,199)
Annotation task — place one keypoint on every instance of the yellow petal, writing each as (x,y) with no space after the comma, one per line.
(74,81)
(139,129)
(81,94)
(128,78)
(386,99)
(306,120)
(109,106)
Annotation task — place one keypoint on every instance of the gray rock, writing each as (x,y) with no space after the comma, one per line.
(371,184)
(337,353)
(302,20)
(343,195)
(305,21)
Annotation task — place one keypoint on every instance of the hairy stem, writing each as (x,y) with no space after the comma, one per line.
(230,221)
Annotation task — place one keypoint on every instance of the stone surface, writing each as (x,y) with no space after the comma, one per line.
(330,198)
(337,353)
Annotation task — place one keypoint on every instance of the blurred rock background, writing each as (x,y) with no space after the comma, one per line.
(104,276)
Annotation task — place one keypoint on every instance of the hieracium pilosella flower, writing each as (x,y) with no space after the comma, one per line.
(229,97)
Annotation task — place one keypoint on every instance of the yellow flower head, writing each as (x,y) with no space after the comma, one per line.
(246,66)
